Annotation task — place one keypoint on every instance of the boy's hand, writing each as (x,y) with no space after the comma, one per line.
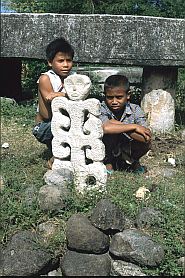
(144,131)
(52,95)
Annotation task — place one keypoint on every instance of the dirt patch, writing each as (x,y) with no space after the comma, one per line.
(157,159)
(166,145)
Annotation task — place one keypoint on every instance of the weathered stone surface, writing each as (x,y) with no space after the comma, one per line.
(183,135)
(48,229)
(58,177)
(107,216)
(181,262)
(136,247)
(119,39)
(82,236)
(121,268)
(80,264)
(148,217)
(52,197)
(158,96)
(160,109)
(24,257)
(77,133)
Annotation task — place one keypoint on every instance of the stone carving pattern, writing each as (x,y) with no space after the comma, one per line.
(77,133)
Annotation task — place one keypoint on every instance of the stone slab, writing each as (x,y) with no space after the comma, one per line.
(115,39)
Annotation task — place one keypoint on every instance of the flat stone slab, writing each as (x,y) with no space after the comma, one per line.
(116,39)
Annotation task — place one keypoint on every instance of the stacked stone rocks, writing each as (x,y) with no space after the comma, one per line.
(105,243)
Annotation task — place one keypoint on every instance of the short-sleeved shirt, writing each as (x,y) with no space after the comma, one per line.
(132,114)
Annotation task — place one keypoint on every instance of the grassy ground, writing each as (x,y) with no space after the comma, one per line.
(23,165)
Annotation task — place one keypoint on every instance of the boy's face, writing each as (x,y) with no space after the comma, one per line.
(116,98)
(61,64)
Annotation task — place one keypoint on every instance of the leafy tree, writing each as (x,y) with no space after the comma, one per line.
(164,8)
(174,9)
(55,6)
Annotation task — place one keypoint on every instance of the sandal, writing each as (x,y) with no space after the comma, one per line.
(110,172)
(137,168)
(109,169)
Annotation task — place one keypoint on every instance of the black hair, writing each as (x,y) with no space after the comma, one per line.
(58,45)
(116,80)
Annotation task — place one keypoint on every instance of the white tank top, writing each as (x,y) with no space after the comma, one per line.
(55,82)
(54,79)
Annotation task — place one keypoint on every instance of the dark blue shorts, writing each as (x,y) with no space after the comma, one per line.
(42,132)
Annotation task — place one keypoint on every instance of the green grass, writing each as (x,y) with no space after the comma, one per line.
(23,165)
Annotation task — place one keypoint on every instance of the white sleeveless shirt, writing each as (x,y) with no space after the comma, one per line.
(54,79)
(55,82)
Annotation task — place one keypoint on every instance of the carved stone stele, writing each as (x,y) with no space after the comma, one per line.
(77,133)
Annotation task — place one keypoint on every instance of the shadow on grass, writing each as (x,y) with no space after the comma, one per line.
(46,154)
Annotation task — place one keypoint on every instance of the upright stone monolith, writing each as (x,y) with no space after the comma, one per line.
(158,97)
(77,133)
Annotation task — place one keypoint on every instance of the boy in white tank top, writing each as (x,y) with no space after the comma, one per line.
(59,54)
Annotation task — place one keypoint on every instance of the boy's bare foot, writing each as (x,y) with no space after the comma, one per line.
(50,162)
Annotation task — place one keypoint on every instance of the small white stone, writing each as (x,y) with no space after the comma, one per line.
(183,135)
(141,193)
(171,160)
(5,146)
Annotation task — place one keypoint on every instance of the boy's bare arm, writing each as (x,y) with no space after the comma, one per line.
(46,89)
(135,131)
(46,95)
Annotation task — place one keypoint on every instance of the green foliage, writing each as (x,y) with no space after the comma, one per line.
(55,6)
(22,113)
(31,71)
(174,9)
(164,8)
